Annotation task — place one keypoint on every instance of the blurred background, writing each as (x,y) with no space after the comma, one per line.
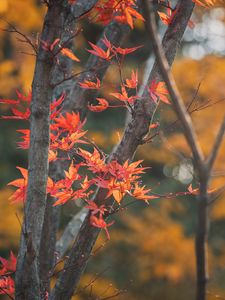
(151,252)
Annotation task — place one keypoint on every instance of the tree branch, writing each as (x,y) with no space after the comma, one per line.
(176,99)
(78,98)
(70,232)
(203,168)
(27,274)
(219,139)
(136,129)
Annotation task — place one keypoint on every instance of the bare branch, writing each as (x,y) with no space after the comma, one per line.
(173,91)
(26,39)
(219,139)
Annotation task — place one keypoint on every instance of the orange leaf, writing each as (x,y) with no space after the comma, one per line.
(67,52)
(133,82)
(103,105)
(125,51)
(205,3)
(100,52)
(90,84)
(159,91)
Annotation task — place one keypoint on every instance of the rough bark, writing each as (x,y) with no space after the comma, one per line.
(76,100)
(27,274)
(48,254)
(27,277)
(132,138)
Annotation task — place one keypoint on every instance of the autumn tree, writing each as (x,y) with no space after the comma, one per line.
(65,165)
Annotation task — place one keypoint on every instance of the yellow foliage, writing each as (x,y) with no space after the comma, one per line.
(10,227)
(24,13)
(161,248)
(3,6)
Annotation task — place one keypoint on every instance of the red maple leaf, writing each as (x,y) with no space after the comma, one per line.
(70,122)
(95,209)
(7,286)
(21,184)
(123,96)
(104,54)
(26,139)
(90,84)
(93,161)
(8,265)
(100,223)
(103,105)
(140,193)
(205,3)
(20,107)
(125,51)
(158,91)
(133,82)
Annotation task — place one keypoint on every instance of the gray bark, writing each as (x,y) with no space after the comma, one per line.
(27,274)
(76,100)
(133,136)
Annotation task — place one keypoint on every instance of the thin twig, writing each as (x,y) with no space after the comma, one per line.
(219,138)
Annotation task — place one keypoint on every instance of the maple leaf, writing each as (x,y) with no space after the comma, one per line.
(100,223)
(63,196)
(70,122)
(122,178)
(7,286)
(94,162)
(129,13)
(86,183)
(124,96)
(205,3)
(103,105)
(21,102)
(196,191)
(139,193)
(26,139)
(21,184)
(95,209)
(66,143)
(193,191)
(159,91)
(107,55)
(54,106)
(118,189)
(67,52)
(52,155)
(125,51)
(166,19)
(23,98)
(18,115)
(8,265)
(90,84)
(121,11)
(133,82)
(154,125)
(71,175)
